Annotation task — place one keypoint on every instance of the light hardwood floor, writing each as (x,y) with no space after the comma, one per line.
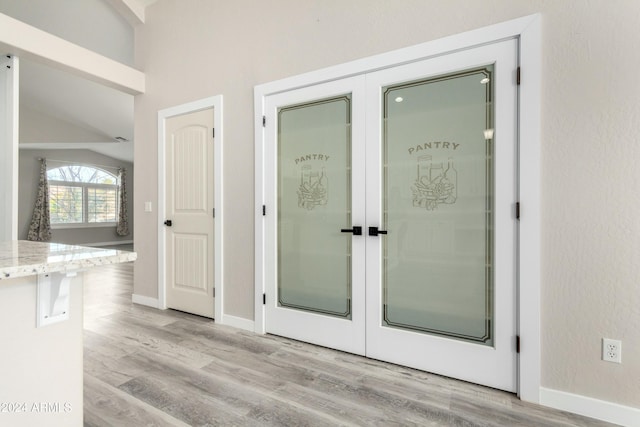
(166,368)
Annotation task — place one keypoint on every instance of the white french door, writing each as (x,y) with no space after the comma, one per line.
(394,232)
(315,271)
(441,284)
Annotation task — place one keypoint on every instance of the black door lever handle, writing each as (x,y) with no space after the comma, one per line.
(373,231)
(168,223)
(356,230)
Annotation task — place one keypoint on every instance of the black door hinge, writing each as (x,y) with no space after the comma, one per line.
(264,210)
(214,212)
(264,121)
(264,299)
(213,132)
(518,76)
(518,210)
(214,292)
(517,343)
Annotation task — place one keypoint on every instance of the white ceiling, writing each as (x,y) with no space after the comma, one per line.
(61,111)
(145,3)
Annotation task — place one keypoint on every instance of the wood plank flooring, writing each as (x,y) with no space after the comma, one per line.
(166,368)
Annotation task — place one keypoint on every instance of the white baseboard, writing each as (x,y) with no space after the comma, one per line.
(142,300)
(112,243)
(590,407)
(236,322)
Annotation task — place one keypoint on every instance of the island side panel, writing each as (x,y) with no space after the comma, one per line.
(41,369)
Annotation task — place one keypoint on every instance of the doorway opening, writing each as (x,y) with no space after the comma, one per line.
(368,251)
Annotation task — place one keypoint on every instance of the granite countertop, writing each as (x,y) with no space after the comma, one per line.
(19,258)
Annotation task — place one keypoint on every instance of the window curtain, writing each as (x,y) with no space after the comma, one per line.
(122,229)
(40,229)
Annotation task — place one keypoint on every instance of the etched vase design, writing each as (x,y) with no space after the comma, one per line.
(434,185)
(313,188)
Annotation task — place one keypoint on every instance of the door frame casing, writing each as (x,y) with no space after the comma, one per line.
(9,158)
(527,30)
(214,102)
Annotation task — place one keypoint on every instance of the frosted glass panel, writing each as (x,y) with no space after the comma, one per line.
(314,204)
(438,186)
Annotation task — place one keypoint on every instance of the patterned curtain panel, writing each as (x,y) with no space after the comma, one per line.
(122,228)
(40,229)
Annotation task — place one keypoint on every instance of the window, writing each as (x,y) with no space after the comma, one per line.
(82,195)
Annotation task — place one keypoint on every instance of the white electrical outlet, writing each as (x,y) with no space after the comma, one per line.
(611,350)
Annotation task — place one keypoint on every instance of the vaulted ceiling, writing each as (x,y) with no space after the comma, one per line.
(59,110)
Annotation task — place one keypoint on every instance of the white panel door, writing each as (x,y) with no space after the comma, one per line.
(314,177)
(189,209)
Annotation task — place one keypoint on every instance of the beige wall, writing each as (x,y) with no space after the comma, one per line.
(590,121)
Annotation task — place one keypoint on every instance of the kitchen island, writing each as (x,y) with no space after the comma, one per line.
(41,331)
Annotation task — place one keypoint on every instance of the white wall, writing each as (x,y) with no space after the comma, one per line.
(40,365)
(29,177)
(591,236)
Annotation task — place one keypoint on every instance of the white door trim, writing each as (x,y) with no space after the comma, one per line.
(214,102)
(528,32)
(9,159)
